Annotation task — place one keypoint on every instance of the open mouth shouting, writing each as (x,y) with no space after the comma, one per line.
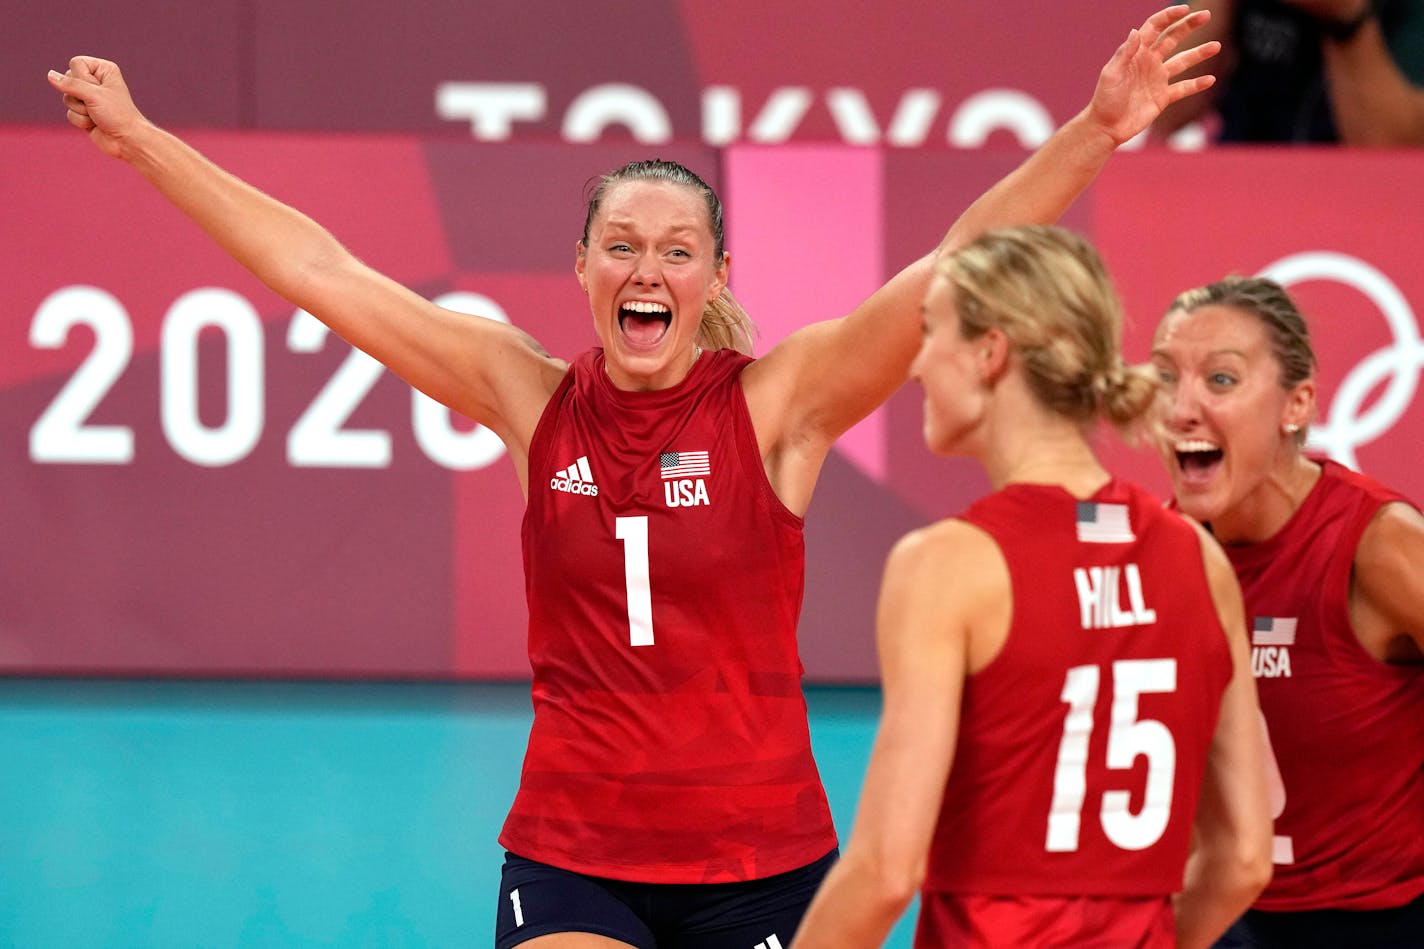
(644,323)
(1197,460)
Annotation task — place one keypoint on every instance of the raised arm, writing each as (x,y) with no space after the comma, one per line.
(1140,80)
(1231,853)
(824,378)
(938,583)
(487,370)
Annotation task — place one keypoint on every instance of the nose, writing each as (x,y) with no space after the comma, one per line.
(917,365)
(647,273)
(1183,405)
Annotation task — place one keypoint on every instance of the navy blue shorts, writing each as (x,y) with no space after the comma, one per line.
(536,899)
(1399,928)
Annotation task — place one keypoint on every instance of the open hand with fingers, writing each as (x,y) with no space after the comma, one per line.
(1137,82)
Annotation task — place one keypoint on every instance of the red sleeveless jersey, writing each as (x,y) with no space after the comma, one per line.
(1347,729)
(664,580)
(1082,745)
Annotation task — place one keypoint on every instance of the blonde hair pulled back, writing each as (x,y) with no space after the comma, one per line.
(1047,290)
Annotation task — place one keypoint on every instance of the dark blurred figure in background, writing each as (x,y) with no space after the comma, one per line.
(1346,71)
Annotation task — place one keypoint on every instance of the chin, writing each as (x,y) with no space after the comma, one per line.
(1198,505)
(642,358)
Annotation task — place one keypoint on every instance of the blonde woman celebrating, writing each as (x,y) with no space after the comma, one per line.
(1068,701)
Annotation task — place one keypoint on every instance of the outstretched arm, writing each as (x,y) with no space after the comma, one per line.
(1138,82)
(826,377)
(1231,836)
(487,370)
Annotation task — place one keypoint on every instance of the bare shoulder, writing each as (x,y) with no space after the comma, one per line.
(1390,552)
(946,586)
(1386,598)
(950,564)
(1395,529)
(520,377)
(951,542)
(791,451)
(770,385)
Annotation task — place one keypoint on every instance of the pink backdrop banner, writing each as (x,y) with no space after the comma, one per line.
(195,480)
(910,75)
(783,214)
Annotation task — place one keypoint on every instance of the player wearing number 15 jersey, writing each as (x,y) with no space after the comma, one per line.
(1068,700)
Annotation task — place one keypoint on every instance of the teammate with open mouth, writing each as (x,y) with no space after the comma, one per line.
(1328,561)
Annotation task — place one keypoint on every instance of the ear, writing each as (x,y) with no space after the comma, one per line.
(1300,405)
(580,259)
(993,354)
(719,277)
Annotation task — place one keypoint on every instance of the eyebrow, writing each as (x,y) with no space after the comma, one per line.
(1162,353)
(632,224)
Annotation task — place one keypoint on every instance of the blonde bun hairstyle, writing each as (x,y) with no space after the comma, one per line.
(1047,290)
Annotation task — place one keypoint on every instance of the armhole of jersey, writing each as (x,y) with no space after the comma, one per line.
(1336,595)
(750,454)
(1013,613)
(1335,598)
(538,451)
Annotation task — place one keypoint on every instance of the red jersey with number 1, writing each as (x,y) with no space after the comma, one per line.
(1082,745)
(664,580)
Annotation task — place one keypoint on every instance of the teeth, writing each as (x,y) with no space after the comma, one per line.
(643,306)
(1195,444)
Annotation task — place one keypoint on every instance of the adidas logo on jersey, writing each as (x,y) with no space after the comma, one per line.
(575,479)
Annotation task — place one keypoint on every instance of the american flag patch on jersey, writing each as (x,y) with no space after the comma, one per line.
(1272,631)
(684,464)
(1103,523)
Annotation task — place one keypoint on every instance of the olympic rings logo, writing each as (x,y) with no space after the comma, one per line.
(1346,429)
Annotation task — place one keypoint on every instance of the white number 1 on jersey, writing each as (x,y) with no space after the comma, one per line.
(633,531)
